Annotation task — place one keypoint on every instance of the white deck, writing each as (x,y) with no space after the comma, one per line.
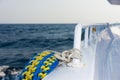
(85,72)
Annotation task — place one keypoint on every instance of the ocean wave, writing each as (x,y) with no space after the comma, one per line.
(42,42)
(9,73)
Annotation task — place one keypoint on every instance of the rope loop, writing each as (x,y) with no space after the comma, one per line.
(68,55)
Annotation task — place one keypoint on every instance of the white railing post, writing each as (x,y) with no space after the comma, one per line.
(90,38)
(86,37)
(77,37)
(76,62)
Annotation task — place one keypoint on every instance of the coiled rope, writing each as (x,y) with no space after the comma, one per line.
(42,64)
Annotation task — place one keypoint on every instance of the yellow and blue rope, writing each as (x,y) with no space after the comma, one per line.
(39,66)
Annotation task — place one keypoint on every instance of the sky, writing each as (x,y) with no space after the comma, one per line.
(58,11)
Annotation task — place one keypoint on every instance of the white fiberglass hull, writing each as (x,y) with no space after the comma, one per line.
(84,72)
(100,61)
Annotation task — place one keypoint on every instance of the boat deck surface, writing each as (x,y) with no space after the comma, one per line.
(85,72)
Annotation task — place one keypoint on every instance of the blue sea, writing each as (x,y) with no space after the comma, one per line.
(19,42)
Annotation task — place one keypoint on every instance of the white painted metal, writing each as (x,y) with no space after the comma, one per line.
(86,37)
(90,38)
(77,36)
(77,45)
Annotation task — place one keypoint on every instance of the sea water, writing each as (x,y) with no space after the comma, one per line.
(19,42)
